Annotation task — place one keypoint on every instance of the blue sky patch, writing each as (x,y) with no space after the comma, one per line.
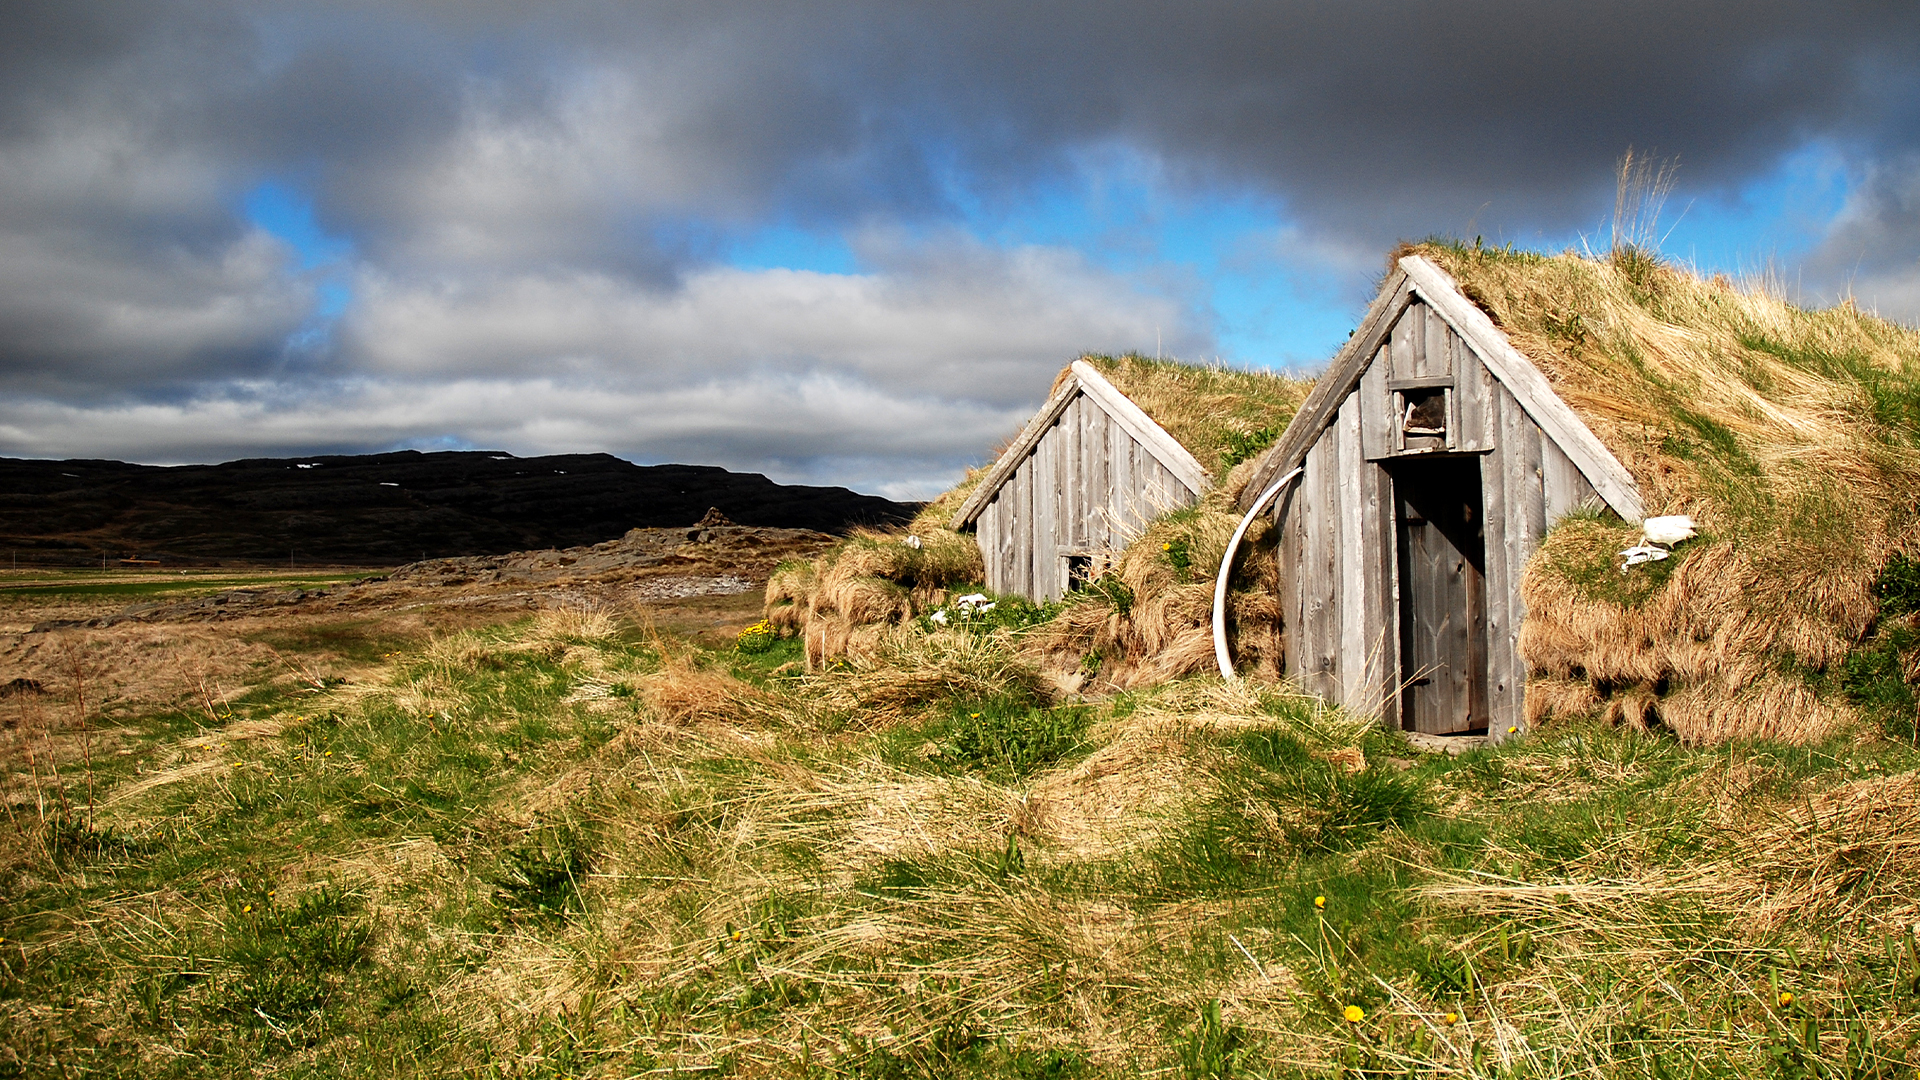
(288,215)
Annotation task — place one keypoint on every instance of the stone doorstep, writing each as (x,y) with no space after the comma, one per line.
(1444,744)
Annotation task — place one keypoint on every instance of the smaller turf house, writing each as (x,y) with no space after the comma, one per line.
(1080,481)
(1454,499)
(1101,523)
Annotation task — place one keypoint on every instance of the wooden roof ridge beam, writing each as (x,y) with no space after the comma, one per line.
(1529,386)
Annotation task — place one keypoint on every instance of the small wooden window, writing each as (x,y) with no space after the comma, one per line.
(1083,566)
(1079,571)
(1424,412)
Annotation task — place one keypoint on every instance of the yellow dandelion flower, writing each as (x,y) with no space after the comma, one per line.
(1354,1014)
(246,909)
(1786,998)
(1450,1019)
(1512,729)
(1320,902)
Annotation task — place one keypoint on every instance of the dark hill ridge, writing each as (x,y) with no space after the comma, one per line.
(379,509)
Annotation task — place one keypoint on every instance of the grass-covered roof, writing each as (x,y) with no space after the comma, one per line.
(1791,435)
(1223,416)
(1706,390)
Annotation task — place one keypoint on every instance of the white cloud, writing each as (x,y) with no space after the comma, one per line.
(82,314)
(815,429)
(1872,249)
(120,266)
(948,318)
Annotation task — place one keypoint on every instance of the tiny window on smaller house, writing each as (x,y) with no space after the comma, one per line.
(1079,571)
(1084,567)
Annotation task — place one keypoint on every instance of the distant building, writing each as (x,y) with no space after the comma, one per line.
(1082,479)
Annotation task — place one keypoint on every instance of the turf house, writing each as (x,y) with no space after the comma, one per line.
(1081,480)
(1432,457)
(1454,499)
(1135,462)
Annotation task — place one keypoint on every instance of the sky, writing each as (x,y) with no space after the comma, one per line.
(849,243)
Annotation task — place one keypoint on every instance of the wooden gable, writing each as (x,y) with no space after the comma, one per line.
(1422,332)
(1082,479)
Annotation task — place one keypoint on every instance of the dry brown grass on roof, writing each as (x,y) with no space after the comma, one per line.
(1223,416)
(1792,437)
(939,510)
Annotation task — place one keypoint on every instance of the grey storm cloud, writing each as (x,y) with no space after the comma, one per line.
(537,196)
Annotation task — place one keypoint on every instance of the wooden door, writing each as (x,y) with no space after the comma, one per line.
(1443,595)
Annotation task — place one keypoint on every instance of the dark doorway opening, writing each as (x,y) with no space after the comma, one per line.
(1441,564)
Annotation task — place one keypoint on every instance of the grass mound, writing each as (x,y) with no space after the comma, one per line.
(913,864)
(1791,436)
(845,601)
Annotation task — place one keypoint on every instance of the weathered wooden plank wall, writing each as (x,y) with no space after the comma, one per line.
(1339,593)
(1336,596)
(1087,485)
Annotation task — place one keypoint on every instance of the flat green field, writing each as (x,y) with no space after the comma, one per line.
(30,597)
(565,847)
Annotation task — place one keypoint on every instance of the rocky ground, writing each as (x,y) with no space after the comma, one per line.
(704,583)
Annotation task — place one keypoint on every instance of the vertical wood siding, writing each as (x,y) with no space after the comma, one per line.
(1339,593)
(1087,486)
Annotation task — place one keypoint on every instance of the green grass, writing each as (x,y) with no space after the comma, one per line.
(1893,397)
(1586,554)
(367,640)
(502,861)
(1004,739)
